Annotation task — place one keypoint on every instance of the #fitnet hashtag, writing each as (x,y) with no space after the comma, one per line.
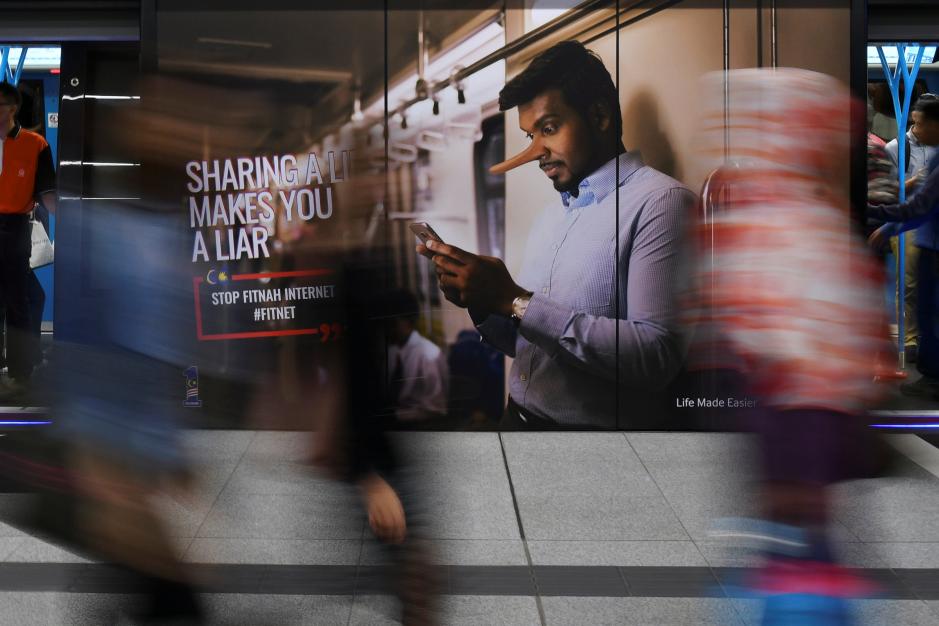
(257,314)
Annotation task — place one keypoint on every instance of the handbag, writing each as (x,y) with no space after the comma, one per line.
(43,250)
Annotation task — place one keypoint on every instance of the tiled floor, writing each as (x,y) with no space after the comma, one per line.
(585,504)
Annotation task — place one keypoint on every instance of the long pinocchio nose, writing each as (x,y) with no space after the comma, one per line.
(531,153)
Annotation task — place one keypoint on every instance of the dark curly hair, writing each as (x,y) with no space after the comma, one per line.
(11,93)
(928,105)
(571,68)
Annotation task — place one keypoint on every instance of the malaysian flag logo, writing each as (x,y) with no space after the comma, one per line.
(192,387)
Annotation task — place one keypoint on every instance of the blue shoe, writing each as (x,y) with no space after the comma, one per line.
(799,609)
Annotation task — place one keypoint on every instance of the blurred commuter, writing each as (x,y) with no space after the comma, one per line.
(797,299)
(119,404)
(26,174)
(119,381)
(345,389)
(881,172)
(921,142)
(922,213)
(883,123)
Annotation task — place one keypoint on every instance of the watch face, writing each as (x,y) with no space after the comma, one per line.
(519,306)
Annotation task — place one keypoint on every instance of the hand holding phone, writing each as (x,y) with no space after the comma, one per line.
(424,232)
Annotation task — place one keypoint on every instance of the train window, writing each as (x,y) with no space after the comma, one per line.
(541,12)
(490,188)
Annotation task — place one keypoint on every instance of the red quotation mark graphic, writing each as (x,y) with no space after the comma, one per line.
(330,331)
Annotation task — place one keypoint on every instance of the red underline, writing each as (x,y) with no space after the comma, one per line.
(259,334)
(281,274)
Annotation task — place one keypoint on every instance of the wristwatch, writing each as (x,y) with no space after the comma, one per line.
(519,306)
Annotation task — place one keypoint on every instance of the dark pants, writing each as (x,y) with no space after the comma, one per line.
(37,302)
(818,446)
(517,418)
(14,293)
(927,313)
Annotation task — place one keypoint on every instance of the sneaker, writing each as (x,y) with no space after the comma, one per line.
(806,610)
(925,387)
(806,593)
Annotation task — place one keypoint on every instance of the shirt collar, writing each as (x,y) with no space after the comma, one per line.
(14,132)
(598,185)
(912,137)
(413,338)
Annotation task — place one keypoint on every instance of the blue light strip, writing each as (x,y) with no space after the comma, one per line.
(905,425)
(24,422)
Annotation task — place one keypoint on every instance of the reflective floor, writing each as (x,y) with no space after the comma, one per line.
(552,528)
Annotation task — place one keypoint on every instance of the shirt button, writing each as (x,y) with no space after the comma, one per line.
(523,377)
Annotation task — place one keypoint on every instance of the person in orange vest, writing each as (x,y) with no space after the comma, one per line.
(27,174)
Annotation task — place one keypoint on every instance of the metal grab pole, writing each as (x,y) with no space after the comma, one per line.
(902,75)
(7,73)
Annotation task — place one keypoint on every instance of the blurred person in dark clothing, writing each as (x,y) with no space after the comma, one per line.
(921,141)
(921,212)
(36,300)
(882,182)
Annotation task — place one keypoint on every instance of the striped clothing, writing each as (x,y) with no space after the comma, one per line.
(794,294)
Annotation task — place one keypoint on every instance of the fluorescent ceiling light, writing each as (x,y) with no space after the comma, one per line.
(544,11)
(892,55)
(260,72)
(540,17)
(235,42)
(37,58)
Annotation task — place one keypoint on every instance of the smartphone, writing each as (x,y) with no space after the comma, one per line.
(424,232)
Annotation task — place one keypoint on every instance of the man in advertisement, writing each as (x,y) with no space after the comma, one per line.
(26,175)
(593,311)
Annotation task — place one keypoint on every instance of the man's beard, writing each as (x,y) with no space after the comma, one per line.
(572,186)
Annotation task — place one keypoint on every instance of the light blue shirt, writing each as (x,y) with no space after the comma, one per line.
(917,159)
(605,269)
